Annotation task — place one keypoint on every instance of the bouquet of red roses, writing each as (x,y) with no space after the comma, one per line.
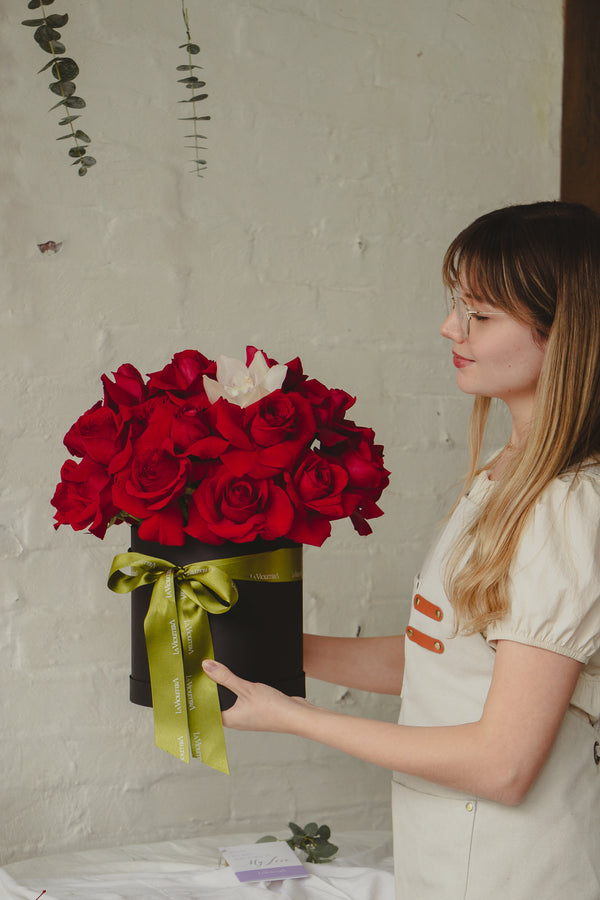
(221,451)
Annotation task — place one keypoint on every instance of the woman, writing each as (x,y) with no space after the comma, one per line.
(496,790)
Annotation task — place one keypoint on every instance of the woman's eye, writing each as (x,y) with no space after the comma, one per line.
(480,317)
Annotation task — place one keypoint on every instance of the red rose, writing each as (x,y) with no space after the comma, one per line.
(319,491)
(99,433)
(183,375)
(329,407)
(83,497)
(191,431)
(227,508)
(345,433)
(164,527)
(154,477)
(280,418)
(127,390)
(364,464)
(268,436)
(320,484)
(227,419)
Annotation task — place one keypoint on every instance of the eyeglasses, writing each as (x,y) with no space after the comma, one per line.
(464,314)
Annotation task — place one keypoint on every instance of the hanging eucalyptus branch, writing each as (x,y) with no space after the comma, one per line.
(64,71)
(193,83)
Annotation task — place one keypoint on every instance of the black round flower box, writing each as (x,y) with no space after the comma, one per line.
(260,638)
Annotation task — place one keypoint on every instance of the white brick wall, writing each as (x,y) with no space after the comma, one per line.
(349,142)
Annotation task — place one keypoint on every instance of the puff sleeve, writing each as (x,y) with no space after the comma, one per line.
(555,577)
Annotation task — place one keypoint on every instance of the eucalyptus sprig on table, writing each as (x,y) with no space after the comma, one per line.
(193,83)
(64,71)
(313,840)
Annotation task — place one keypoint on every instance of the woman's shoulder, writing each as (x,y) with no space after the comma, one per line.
(565,518)
(555,574)
(588,469)
(577,488)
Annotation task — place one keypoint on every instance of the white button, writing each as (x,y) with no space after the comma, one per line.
(469,807)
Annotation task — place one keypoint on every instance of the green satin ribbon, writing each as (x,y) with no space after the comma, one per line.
(178,638)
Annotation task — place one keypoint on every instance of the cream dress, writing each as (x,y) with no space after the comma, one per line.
(455,846)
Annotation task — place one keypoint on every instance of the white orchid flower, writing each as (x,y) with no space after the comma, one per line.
(244,385)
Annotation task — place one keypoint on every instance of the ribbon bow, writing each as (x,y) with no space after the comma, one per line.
(177,630)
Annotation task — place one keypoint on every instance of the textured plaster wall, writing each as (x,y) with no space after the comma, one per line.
(349,142)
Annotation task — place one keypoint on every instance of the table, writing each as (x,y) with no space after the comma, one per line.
(192,869)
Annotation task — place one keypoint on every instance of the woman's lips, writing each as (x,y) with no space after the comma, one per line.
(460,361)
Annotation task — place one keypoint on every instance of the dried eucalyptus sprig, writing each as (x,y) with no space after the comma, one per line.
(312,840)
(193,83)
(64,70)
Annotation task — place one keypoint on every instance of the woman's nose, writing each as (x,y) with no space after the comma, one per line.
(450,328)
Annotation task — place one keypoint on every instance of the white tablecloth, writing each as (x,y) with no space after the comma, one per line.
(191,869)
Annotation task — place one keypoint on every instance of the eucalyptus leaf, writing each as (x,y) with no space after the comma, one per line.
(47,66)
(188,67)
(191,80)
(193,99)
(82,171)
(191,48)
(53,47)
(44,34)
(67,120)
(56,20)
(77,151)
(193,118)
(35,4)
(324,832)
(77,135)
(63,88)
(311,829)
(200,162)
(327,849)
(70,102)
(196,85)
(86,163)
(201,137)
(65,69)
(295,829)
(267,839)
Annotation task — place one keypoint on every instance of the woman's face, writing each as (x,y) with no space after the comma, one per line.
(500,357)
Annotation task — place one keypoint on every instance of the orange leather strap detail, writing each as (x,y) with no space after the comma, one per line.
(424,640)
(427,608)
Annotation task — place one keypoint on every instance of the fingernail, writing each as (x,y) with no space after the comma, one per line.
(209,665)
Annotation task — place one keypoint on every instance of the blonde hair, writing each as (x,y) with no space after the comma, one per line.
(541,264)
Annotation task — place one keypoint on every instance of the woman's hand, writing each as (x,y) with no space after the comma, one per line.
(258,707)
